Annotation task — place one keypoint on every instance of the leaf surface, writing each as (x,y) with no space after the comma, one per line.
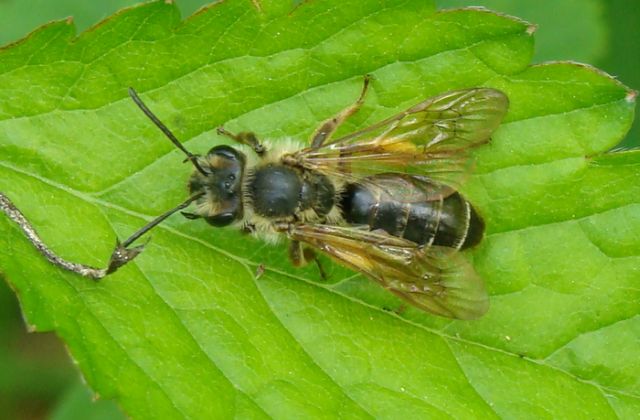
(188,331)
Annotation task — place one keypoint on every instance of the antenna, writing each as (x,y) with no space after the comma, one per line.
(190,156)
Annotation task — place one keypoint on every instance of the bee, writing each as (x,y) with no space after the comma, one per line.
(383,201)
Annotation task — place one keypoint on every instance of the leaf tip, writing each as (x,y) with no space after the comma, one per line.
(168,1)
(69,20)
(631,96)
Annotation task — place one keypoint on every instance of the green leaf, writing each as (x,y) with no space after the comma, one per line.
(187,330)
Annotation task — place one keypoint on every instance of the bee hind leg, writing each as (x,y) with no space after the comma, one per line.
(301,256)
(326,130)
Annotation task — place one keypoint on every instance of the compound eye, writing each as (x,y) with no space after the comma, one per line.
(226,152)
(222,219)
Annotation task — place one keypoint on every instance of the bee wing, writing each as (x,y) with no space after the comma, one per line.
(432,138)
(434,279)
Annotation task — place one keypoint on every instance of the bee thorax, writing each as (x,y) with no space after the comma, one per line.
(279,191)
(275,191)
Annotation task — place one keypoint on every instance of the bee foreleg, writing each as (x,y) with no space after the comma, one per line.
(244,137)
(301,256)
(326,130)
(248,229)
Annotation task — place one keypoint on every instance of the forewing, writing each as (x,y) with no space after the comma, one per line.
(433,279)
(432,138)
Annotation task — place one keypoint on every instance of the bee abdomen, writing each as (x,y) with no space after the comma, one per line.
(450,222)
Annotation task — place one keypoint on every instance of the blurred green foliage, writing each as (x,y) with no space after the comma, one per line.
(604,33)
(19,17)
(584,37)
(37,378)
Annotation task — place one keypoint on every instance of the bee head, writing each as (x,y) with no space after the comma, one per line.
(221,204)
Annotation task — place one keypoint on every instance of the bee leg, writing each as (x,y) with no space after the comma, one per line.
(259,271)
(300,257)
(248,229)
(310,255)
(401,309)
(295,254)
(244,137)
(326,130)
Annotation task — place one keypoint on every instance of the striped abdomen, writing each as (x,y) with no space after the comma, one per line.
(402,206)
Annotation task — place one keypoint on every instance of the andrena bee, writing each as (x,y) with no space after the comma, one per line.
(382,201)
